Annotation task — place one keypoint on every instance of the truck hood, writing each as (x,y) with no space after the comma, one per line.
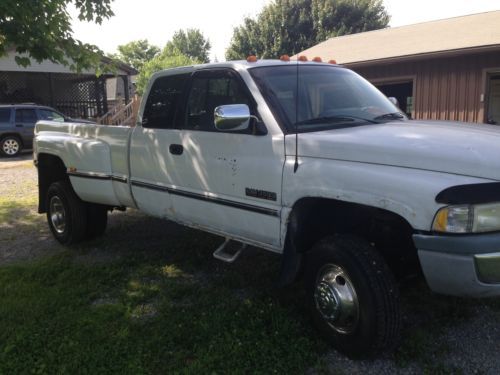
(448,147)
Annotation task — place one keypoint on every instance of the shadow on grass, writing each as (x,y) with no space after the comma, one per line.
(23,232)
(15,212)
(149,297)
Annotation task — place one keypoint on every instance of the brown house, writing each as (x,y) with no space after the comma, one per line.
(444,70)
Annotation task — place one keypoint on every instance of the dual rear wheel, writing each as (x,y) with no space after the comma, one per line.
(70,219)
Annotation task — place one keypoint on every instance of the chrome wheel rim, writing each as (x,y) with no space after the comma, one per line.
(10,146)
(57,214)
(336,299)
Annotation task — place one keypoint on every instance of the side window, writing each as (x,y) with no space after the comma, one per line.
(163,100)
(26,115)
(206,94)
(4,115)
(46,114)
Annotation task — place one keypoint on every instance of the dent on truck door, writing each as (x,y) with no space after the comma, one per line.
(230,182)
(151,163)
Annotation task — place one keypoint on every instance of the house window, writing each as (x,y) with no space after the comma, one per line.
(403,92)
(409,105)
(493,100)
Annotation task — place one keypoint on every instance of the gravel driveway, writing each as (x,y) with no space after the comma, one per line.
(17,176)
(441,334)
(18,239)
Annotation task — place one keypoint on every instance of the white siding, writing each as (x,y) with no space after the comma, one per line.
(8,64)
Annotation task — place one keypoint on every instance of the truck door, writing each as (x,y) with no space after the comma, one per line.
(151,163)
(227,181)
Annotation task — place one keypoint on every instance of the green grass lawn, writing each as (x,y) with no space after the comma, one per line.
(146,298)
(136,316)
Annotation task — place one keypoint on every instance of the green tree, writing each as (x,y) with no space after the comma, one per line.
(41,30)
(136,53)
(291,26)
(168,59)
(190,43)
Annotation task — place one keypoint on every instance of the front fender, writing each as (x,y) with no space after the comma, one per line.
(409,193)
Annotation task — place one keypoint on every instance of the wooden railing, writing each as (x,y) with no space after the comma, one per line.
(121,114)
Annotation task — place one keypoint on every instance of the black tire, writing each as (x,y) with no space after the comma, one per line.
(371,327)
(11,146)
(69,225)
(97,220)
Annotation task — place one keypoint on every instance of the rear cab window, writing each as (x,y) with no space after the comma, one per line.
(163,101)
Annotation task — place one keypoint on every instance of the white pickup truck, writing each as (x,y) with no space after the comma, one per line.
(304,159)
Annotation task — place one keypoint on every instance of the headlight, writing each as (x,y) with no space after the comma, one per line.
(468,219)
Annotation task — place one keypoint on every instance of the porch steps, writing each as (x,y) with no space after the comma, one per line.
(121,114)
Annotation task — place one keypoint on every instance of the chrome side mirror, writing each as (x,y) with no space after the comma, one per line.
(394,101)
(232,117)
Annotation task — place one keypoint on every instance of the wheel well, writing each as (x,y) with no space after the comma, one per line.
(50,169)
(314,218)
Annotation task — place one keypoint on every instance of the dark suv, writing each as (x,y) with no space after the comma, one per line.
(17,124)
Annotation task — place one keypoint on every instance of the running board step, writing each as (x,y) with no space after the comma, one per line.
(229,251)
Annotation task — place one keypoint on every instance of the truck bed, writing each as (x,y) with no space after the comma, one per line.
(95,156)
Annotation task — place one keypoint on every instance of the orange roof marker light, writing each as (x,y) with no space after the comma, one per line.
(332,62)
(302,58)
(317,59)
(285,58)
(252,58)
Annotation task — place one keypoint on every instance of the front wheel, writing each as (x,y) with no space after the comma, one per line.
(352,296)
(66,213)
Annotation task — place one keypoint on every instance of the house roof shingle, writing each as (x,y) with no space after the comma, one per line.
(474,31)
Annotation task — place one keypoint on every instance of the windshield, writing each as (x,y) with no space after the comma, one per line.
(328,97)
